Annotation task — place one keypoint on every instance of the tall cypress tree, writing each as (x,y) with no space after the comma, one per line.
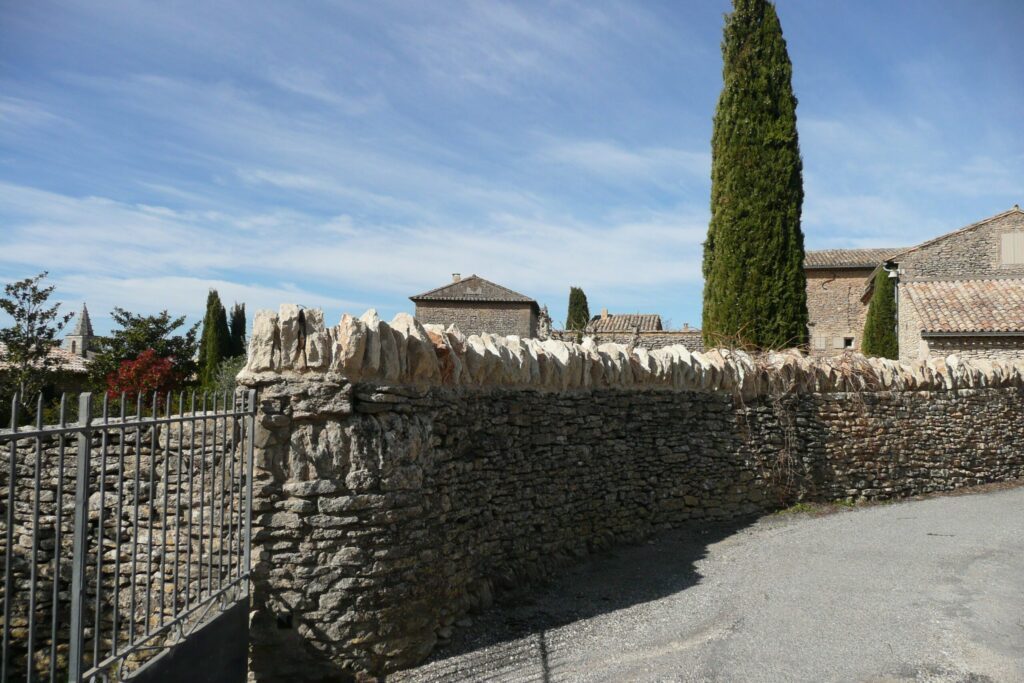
(754,284)
(215,344)
(579,312)
(237,330)
(880,338)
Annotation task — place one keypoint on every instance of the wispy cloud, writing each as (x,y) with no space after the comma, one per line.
(613,160)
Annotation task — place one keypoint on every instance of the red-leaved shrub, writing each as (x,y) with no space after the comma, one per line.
(144,375)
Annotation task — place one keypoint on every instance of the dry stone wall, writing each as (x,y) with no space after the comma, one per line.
(406,475)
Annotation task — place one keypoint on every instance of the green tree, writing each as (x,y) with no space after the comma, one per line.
(137,333)
(27,343)
(880,337)
(754,285)
(237,325)
(579,312)
(215,344)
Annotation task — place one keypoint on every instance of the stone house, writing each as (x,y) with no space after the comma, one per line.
(643,330)
(835,286)
(477,305)
(962,293)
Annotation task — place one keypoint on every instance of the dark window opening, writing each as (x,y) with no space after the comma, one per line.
(847,342)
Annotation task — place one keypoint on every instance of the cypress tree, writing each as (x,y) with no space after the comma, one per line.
(237,330)
(215,344)
(579,312)
(754,285)
(880,337)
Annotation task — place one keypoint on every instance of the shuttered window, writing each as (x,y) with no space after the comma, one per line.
(1013,249)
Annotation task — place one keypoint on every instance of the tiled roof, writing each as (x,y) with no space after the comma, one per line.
(952,306)
(849,258)
(473,288)
(625,322)
(67,361)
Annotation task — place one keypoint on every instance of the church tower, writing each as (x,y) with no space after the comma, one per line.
(80,339)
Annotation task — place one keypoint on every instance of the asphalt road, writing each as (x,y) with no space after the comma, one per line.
(928,590)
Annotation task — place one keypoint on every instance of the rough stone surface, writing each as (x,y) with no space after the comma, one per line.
(406,504)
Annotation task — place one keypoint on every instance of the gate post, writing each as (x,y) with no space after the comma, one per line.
(80,543)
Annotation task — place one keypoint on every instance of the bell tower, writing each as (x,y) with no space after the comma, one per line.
(79,342)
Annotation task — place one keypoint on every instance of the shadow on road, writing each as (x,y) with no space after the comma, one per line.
(515,640)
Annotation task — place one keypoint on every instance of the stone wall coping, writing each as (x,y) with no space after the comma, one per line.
(296,342)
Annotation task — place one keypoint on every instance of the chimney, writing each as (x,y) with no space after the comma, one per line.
(604,314)
(686,327)
(456,277)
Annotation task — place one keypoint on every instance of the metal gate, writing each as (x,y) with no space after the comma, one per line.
(127,526)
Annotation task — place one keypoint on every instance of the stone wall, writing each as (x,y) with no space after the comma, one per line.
(835,310)
(977,347)
(503,319)
(405,475)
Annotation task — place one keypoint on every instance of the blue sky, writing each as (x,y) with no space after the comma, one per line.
(347,155)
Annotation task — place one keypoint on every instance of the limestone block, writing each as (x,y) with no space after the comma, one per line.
(264,344)
(291,326)
(421,360)
(371,365)
(317,351)
(350,337)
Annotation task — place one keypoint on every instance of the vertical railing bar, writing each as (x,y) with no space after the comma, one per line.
(33,572)
(98,612)
(117,532)
(232,554)
(163,519)
(213,499)
(177,504)
(133,598)
(55,603)
(222,489)
(79,546)
(202,500)
(191,498)
(151,507)
(249,485)
(12,462)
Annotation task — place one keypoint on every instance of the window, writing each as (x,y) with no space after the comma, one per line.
(819,343)
(1013,249)
(847,342)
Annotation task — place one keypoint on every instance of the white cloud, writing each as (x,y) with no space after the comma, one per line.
(613,160)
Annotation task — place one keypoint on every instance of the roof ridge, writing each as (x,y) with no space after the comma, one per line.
(513,295)
(971,226)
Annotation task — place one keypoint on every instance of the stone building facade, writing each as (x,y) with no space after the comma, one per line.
(963,292)
(476,305)
(835,287)
(639,330)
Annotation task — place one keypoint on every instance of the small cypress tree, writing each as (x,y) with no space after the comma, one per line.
(754,283)
(237,330)
(215,344)
(579,312)
(880,338)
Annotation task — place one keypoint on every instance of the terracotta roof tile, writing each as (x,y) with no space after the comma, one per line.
(625,322)
(68,362)
(951,306)
(473,288)
(849,258)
